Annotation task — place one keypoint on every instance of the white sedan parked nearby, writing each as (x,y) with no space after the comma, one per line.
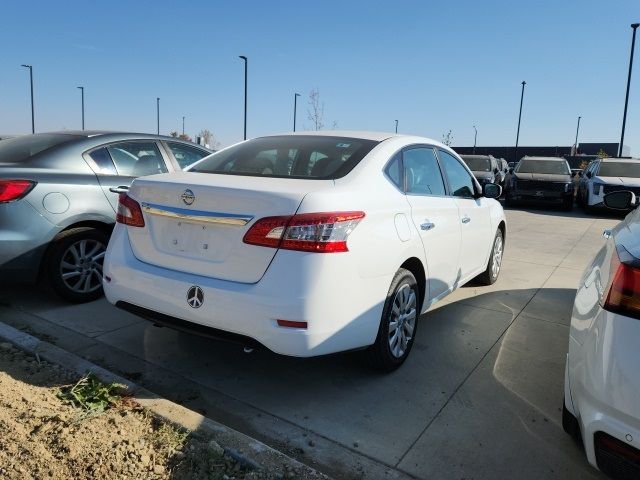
(307,244)
(602,380)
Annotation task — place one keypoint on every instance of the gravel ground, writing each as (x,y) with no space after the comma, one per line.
(43,437)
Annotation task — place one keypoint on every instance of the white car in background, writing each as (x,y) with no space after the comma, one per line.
(602,380)
(606,175)
(307,244)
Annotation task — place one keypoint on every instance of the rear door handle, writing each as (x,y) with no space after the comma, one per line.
(119,189)
(465,219)
(427,225)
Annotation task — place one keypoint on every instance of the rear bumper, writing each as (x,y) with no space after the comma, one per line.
(342,309)
(24,236)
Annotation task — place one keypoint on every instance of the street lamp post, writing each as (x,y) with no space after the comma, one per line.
(577,130)
(82,93)
(396,126)
(475,139)
(33,122)
(183,125)
(295,108)
(515,154)
(158,115)
(246,61)
(634,26)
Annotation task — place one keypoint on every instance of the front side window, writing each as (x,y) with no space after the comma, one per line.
(460,182)
(295,156)
(135,159)
(186,155)
(421,171)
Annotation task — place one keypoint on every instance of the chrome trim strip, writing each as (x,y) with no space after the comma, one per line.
(196,215)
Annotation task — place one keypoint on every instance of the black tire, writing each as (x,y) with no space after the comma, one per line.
(60,250)
(490,275)
(379,355)
(570,424)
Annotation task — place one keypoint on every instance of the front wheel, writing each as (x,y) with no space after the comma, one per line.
(398,324)
(490,275)
(73,265)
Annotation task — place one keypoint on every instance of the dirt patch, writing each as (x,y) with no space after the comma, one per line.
(44,437)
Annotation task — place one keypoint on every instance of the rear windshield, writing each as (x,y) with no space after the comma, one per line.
(478,164)
(294,156)
(20,149)
(619,169)
(558,167)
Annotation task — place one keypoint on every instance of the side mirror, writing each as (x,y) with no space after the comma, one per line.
(495,170)
(580,174)
(491,190)
(573,174)
(622,200)
(511,170)
(589,174)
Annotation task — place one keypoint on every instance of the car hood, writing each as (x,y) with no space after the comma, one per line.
(543,177)
(626,181)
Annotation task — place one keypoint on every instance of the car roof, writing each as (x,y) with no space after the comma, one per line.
(364,135)
(99,133)
(621,159)
(557,159)
(473,155)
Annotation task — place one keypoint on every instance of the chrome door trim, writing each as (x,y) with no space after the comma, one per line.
(196,215)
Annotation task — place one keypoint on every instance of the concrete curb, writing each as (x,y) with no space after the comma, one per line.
(248,451)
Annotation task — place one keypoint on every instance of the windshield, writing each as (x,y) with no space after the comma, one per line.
(290,156)
(478,164)
(20,149)
(619,169)
(557,167)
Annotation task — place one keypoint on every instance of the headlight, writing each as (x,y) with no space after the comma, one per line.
(568,187)
(596,188)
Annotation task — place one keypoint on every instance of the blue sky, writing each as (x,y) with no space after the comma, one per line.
(434,66)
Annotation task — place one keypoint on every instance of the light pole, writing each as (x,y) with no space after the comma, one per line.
(634,26)
(82,92)
(158,115)
(515,154)
(475,138)
(183,125)
(396,126)
(33,122)
(246,61)
(295,108)
(577,130)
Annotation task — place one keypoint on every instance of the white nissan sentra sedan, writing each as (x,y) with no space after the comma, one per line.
(602,379)
(307,244)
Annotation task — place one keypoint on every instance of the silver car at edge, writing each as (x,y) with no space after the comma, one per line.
(59,196)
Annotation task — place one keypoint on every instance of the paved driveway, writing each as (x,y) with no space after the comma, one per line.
(479,397)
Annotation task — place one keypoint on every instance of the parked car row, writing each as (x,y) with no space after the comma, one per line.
(59,196)
(487,168)
(607,175)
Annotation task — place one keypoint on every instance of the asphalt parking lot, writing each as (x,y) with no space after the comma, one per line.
(479,397)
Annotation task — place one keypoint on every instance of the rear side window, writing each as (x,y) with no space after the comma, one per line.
(421,171)
(294,156)
(460,182)
(394,170)
(102,159)
(20,149)
(186,155)
(135,159)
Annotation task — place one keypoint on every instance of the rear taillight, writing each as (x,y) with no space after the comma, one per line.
(129,211)
(11,190)
(307,232)
(622,295)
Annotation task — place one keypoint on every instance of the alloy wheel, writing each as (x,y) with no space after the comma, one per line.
(81,266)
(403,320)
(497,257)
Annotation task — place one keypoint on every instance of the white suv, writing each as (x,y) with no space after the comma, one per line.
(606,175)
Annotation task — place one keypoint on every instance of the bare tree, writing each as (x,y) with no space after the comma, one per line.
(315,111)
(447,138)
(208,138)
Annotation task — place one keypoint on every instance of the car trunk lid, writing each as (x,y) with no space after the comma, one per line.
(195,222)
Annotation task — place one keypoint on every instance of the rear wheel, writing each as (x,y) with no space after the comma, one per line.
(398,324)
(492,272)
(73,265)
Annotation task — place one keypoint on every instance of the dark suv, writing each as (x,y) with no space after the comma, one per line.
(485,168)
(544,180)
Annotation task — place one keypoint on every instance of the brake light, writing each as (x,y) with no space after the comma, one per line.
(307,232)
(129,211)
(622,295)
(11,190)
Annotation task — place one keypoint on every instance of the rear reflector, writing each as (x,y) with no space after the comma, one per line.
(11,190)
(129,211)
(308,232)
(622,295)
(616,458)
(292,324)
